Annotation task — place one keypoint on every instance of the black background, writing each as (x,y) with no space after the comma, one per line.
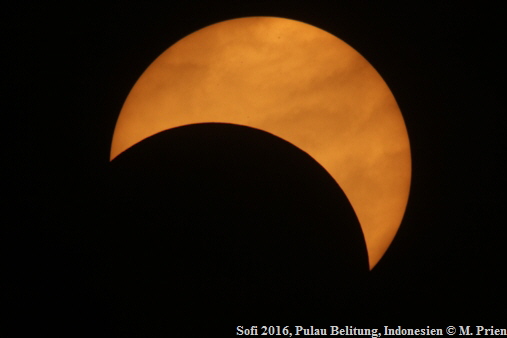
(68,70)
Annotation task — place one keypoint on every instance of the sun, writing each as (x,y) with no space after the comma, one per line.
(294,81)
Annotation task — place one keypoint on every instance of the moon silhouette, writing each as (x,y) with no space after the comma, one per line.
(297,82)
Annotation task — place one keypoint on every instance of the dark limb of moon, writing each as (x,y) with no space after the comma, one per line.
(223,223)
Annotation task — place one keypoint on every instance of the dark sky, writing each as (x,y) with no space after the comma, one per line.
(68,70)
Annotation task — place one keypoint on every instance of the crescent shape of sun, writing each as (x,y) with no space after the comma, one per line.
(297,82)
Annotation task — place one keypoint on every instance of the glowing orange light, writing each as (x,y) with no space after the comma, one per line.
(297,82)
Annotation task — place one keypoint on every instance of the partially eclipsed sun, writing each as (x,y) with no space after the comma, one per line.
(297,82)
